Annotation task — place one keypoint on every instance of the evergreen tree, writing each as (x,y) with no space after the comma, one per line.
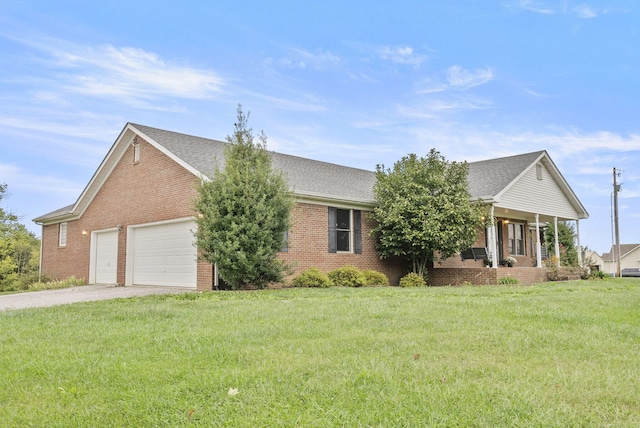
(244,212)
(566,239)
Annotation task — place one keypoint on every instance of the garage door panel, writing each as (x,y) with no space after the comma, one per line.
(165,254)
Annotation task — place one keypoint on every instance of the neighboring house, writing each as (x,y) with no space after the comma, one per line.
(594,260)
(133,223)
(629,258)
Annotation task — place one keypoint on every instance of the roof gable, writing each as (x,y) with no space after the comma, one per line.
(511,182)
(490,177)
(309,179)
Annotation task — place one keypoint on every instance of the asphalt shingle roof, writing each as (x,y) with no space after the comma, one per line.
(486,178)
(305,176)
(490,177)
(322,179)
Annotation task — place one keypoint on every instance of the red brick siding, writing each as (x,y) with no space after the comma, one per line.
(528,260)
(485,276)
(157,189)
(309,245)
(154,189)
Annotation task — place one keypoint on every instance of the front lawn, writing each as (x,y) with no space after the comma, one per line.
(554,354)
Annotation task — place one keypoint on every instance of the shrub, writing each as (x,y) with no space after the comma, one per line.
(412,279)
(374,277)
(347,276)
(47,284)
(598,274)
(311,278)
(508,280)
(510,261)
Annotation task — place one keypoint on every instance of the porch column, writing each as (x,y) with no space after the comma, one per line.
(579,246)
(493,246)
(555,232)
(538,244)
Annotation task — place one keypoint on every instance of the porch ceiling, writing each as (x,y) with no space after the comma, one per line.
(523,215)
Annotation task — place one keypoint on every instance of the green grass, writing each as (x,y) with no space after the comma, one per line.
(555,354)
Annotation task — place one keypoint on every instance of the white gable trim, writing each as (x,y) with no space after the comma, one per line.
(108,164)
(168,153)
(557,176)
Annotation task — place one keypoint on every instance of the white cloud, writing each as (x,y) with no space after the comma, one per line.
(535,6)
(114,72)
(400,55)
(582,10)
(585,11)
(460,78)
(119,73)
(21,180)
(319,61)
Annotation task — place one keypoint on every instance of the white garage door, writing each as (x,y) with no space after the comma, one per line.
(106,259)
(164,254)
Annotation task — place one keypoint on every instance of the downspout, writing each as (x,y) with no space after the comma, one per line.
(538,244)
(40,263)
(555,232)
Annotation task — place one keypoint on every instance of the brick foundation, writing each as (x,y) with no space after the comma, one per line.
(484,275)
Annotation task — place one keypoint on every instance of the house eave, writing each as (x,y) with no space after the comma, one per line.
(332,200)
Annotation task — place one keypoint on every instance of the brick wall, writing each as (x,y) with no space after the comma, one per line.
(528,260)
(153,189)
(157,189)
(484,275)
(309,245)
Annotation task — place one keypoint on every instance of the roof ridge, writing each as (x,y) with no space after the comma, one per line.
(521,155)
(269,150)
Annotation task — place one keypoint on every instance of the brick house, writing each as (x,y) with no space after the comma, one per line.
(133,223)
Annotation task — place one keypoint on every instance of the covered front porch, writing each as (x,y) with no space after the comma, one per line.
(524,195)
(513,245)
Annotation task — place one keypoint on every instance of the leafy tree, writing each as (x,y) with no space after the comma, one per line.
(244,212)
(424,210)
(566,239)
(19,251)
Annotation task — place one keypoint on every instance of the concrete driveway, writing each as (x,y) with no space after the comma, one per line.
(85,293)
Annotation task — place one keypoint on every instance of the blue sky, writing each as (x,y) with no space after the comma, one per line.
(354,83)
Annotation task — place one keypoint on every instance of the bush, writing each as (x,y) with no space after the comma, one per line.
(347,276)
(598,274)
(30,282)
(508,280)
(412,279)
(311,278)
(374,277)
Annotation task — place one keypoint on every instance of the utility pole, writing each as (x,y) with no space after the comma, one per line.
(616,189)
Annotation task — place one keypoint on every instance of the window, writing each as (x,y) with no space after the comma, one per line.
(345,231)
(136,152)
(62,235)
(343,228)
(285,242)
(516,239)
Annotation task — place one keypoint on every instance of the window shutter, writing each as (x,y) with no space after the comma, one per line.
(357,232)
(333,220)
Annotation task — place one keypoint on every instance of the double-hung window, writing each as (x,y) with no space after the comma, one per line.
(345,231)
(62,235)
(516,239)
